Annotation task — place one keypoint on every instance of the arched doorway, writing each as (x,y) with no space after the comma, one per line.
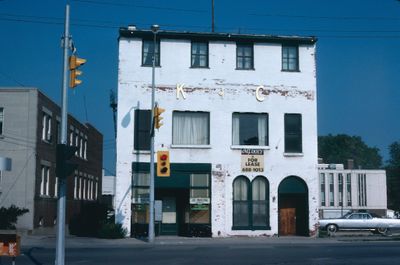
(293,207)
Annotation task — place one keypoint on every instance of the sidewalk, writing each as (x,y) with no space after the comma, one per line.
(49,241)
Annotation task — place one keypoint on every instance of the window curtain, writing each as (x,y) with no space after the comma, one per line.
(190,128)
(235,130)
(262,130)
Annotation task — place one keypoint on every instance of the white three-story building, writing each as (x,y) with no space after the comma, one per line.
(240,126)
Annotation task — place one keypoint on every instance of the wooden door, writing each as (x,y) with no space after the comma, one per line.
(287,222)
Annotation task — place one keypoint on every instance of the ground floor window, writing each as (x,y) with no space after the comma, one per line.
(251,203)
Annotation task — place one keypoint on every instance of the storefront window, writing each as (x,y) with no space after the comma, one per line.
(199,199)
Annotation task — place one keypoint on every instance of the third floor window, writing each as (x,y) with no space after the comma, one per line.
(199,55)
(147,53)
(244,56)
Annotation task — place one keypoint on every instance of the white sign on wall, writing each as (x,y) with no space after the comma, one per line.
(252,160)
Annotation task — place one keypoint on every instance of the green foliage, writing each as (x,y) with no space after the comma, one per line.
(112,230)
(9,216)
(337,149)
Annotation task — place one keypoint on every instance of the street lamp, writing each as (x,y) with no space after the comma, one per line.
(154,29)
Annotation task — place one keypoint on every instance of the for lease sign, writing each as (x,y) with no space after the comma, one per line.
(252,160)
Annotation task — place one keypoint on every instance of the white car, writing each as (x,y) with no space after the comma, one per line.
(359,221)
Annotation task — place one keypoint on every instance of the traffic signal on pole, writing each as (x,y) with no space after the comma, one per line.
(74,64)
(157,117)
(64,164)
(163,166)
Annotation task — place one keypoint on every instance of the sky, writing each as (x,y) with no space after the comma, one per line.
(358,55)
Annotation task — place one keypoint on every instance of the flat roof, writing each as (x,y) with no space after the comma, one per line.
(133,32)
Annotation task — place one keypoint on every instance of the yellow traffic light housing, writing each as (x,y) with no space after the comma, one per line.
(163,166)
(74,64)
(157,117)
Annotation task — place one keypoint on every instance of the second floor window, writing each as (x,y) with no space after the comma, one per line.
(250,129)
(293,133)
(199,55)
(147,53)
(244,56)
(46,127)
(190,128)
(290,58)
(142,129)
(44,180)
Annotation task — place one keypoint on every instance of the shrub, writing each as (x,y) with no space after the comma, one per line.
(9,216)
(111,230)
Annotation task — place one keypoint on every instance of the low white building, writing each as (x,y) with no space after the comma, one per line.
(240,125)
(343,190)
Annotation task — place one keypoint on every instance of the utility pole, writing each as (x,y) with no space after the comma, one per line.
(212,16)
(154,29)
(113,106)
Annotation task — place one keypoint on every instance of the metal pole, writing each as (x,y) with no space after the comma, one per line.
(154,28)
(60,247)
(212,16)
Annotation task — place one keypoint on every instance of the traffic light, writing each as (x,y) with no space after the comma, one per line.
(157,116)
(74,64)
(163,166)
(65,166)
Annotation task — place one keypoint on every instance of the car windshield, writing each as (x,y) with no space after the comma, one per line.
(346,215)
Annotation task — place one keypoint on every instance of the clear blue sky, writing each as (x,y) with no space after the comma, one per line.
(358,53)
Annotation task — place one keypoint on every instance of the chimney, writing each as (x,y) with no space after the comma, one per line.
(350,163)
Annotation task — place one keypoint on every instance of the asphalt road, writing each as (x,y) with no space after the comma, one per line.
(237,253)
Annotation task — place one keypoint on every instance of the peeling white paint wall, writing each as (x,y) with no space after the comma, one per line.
(220,90)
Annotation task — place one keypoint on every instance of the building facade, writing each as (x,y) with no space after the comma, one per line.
(343,190)
(240,125)
(31,126)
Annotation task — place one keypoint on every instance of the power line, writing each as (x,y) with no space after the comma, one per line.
(11,78)
(140,6)
(232,28)
(323,17)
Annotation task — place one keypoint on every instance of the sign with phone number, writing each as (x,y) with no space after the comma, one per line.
(252,160)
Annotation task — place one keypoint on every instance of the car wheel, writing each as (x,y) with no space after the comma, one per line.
(382,230)
(332,229)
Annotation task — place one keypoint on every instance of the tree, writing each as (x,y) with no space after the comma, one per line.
(393,176)
(337,149)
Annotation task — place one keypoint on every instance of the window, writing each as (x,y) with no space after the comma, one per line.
(56,187)
(58,133)
(293,133)
(250,203)
(190,128)
(147,53)
(250,129)
(362,190)
(44,180)
(1,120)
(340,182)
(46,127)
(331,190)
(199,195)
(199,55)
(322,183)
(76,188)
(142,129)
(244,56)
(290,58)
(348,189)
(141,188)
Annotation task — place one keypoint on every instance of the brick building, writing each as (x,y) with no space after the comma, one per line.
(31,124)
